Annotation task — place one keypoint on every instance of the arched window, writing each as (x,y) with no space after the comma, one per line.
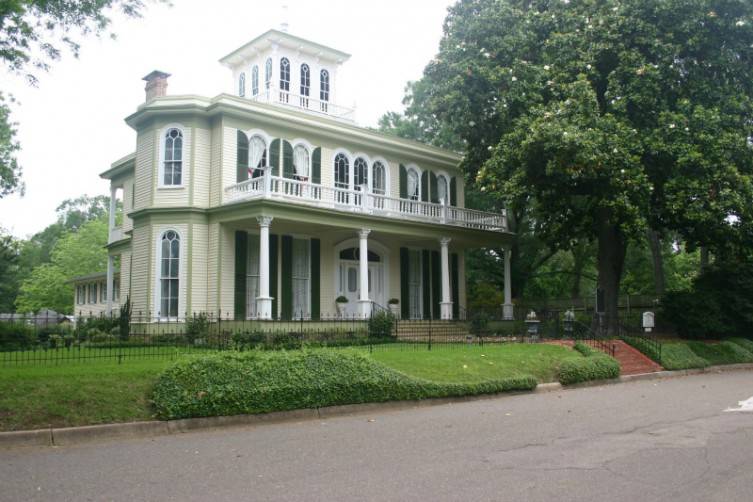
(169,274)
(414,184)
(305,80)
(255,80)
(442,190)
(323,89)
(268,73)
(242,85)
(360,173)
(173,162)
(342,167)
(284,75)
(257,156)
(378,180)
(301,161)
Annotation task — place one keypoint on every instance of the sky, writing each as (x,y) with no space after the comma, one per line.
(71,125)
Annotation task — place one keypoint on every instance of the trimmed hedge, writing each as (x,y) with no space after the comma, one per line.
(259,382)
(595,365)
(744,343)
(678,356)
(721,353)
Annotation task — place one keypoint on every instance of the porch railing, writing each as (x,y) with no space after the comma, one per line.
(359,200)
(272,94)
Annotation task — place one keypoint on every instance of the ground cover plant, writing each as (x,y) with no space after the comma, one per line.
(673,356)
(595,365)
(721,353)
(745,343)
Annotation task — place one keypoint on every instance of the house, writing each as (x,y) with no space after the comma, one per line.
(90,294)
(271,202)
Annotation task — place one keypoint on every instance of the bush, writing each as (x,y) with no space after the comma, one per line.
(16,336)
(197,327)
(259,382)
(381,325)
(594,365)
(678,356)
(721,353)
(745,343)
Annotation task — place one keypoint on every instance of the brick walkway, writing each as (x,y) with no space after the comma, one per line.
(632,361)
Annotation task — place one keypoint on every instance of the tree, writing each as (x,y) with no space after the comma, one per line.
(76,253)
(9,251)
(605,118)
(10,171)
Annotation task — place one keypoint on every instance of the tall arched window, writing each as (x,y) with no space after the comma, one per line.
(413,184)
(257,156)
(305,85)
(255,80)
(442,190)
(173,162)
(378,179)
(324,89)
(360,173)
(301,161)
(169,274)
(242,85)
(342,166)
(284,75)
(268,73)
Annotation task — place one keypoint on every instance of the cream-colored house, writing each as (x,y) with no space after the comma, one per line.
(273,203)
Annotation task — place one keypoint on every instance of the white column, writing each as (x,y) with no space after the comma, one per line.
(113,207)
(446,303)
(507,309)
(264,301)
(364,303)
(110,284)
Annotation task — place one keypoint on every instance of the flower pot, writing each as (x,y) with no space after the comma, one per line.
(395,309)
(341,308)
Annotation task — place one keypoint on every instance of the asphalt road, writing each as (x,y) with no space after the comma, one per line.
(642,441)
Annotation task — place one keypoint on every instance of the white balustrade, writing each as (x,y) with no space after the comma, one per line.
(307,103)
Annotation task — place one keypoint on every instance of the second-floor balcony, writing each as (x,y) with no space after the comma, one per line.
(360,200)
(310,104)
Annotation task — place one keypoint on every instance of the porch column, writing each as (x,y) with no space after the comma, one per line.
(110,278)
(364,303)
(507,310)
(264,301)
(446,304)
(113,206)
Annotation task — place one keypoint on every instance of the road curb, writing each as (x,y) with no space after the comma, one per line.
(79,435)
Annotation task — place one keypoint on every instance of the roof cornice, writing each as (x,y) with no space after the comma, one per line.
(282,38)
(120,166)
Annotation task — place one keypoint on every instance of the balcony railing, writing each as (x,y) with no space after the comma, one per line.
(361,201)
(306,103)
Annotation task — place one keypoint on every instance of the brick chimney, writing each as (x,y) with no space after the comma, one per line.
(156,84)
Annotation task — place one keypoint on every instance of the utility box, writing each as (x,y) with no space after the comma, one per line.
(648,321)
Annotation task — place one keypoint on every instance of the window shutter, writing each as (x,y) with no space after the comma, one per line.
(433,188)
(241,250)
(404,278)
(436,284)
(425,186)
(274,157)
(273,273)
(316,166)
(286,291)
(454,285)
(287,160)
(426,281)
(453,191)
(315,279)
(403,182)
(242,157)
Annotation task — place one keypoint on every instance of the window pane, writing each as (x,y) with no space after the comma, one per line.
(352,280)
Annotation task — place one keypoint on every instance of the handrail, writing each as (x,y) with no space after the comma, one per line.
(274,94)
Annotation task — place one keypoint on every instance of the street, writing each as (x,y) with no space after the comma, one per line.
(659,440)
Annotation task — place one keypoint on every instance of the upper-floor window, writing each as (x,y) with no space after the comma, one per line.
(342,166)
(242,85)
(255,80)
(413,184)
(284,74)
(257,156)
(173,162)
(360,173)
(305,80)
(301,161)
(169,274)
(268,73)
(442,190)
(324,85)
(378,179)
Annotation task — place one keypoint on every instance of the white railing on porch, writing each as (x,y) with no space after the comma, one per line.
(306,103)
(361,201)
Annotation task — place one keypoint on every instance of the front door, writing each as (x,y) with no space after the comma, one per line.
(350,286)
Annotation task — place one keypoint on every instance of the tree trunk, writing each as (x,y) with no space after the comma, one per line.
(610,261)
(655,244)
(579,262)
(704,258)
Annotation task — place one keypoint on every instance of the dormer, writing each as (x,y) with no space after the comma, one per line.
(286,70)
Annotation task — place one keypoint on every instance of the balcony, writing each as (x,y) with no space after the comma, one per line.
(305,103)
(360,201)
(116,234)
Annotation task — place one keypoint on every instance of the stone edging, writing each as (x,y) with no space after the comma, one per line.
(76,435)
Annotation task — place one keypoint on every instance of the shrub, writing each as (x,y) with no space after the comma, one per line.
(381,325)
(16,336)
(745,343)
(678,356)
(124,320)
(55,341)
(197,327)
(258,382)
(721,353)
(594,365)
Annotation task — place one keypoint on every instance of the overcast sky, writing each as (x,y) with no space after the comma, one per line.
(71,126)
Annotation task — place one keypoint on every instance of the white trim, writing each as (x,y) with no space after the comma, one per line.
(250,133)
(373,245)
(442,173)
(301,141)
(157,296)
(185,155)
(350,158)
(420,173)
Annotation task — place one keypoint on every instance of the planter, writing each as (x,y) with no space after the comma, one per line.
(341,308)
(394,309)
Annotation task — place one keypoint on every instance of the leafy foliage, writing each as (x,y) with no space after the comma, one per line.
(381,325)
(721,353)
(595,365)
(10,170)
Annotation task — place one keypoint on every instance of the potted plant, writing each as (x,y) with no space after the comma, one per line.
(394,305)
(341,302)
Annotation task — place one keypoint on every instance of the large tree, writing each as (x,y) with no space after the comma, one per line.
(605,118)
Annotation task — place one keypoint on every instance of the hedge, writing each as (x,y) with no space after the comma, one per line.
(678,356)
(721,353)
(259,382)
(595,365)
(744,343)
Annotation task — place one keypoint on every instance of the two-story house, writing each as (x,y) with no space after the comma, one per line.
(272,202)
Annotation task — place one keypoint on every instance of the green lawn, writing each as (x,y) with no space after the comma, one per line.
(477,364)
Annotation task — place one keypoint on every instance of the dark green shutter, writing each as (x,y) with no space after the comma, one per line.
(241,252)
(425,186)
(274,157)
(242,157)
(454,285)
(433,188)
(273,273)
(426,281)
(316,166)
(286,276)
(453,192)
(288,171)
(315,278)
(404,286)
(403,182)
(436,284)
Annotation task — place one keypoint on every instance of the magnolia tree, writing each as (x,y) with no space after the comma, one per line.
(603,118)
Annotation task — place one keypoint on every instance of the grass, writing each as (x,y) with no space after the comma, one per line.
(477,364)
(721,353)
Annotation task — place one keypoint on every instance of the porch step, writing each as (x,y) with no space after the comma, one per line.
(420,330)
